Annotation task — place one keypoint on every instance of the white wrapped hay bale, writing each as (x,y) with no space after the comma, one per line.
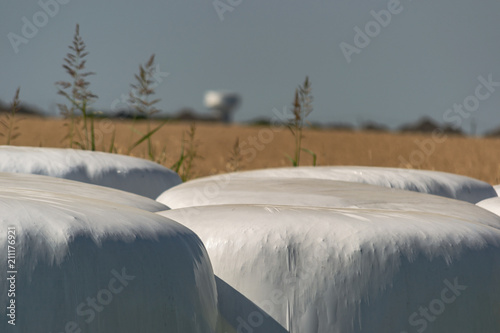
(84,265)
(305,192)
(298,269)
(17,183)
(491,204)
(431,182)
(497,189)
(121,172)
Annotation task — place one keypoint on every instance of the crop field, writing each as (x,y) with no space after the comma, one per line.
(264,147)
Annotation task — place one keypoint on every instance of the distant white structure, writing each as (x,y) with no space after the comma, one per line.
(222,104)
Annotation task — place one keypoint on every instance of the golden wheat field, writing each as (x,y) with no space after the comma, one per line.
(265,147)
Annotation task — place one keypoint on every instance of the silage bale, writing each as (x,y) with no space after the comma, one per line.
(431,182)
(17,183)
(86,265)
(297,269)
(121,172)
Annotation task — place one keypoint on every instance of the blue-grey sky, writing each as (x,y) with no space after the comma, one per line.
(425,60)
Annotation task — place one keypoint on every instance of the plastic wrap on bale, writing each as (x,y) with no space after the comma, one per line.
(431,182)
(85,265)
(350,270)
(121,172)
(17,183)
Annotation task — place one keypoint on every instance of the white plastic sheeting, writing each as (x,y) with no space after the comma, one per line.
(317,270)
(431,182)
(491,204)
(307,193)
(497,188)
(88,266)
(17,183)
(112,170)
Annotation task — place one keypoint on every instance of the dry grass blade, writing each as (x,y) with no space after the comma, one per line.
(185,163)
(8,123)
(235,157)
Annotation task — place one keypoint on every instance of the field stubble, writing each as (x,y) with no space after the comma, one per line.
(473,157)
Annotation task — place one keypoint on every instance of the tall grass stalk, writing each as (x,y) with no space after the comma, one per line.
(302,107)
(140,98)
(189,153)
(78,94)
(235,158)
(9,120)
